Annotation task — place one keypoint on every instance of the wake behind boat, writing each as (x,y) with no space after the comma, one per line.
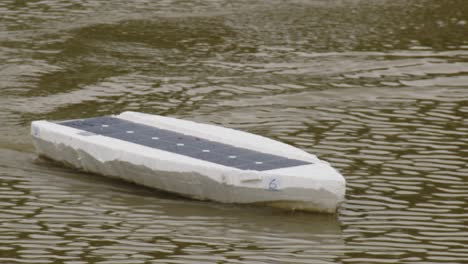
(195,160)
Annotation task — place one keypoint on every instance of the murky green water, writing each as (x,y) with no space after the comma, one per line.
(378,88)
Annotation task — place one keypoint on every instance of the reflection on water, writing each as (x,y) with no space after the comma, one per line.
(378,88)
(52,214)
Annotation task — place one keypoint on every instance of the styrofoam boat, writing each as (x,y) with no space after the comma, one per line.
(195,160)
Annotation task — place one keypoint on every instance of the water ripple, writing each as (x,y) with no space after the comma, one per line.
(379,93)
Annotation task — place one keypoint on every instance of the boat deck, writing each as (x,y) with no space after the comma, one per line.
(195,147)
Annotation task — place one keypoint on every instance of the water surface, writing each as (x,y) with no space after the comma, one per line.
(377,88)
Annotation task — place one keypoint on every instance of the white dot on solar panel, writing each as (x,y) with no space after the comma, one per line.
(232,157)
(155,138)
(130,132)
(180,144)
(258,162)
(105,125)
(206,150)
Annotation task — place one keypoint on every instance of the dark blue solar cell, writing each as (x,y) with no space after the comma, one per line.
(98,125)
(227,160)
(179,143)
(210,145)
(179,148)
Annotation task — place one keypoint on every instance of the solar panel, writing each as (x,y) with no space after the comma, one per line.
(182,144)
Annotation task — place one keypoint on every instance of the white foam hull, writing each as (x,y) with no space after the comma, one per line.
(311,187)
